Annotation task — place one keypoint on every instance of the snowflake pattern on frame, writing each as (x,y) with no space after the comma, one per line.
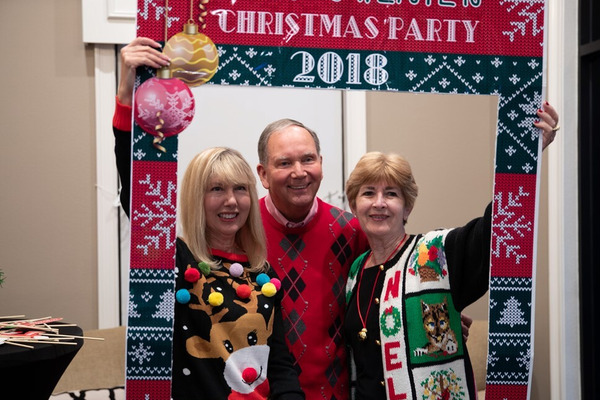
(529,18)
(510,225)
(157,214)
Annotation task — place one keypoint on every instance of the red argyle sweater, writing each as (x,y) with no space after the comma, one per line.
(312,263)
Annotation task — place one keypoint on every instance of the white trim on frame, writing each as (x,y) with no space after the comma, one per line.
(106,188)
(565,369)
(355,128)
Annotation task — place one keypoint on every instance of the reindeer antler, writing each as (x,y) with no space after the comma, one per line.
(203,291)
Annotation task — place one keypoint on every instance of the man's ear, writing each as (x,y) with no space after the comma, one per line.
(322,173)
(262,175)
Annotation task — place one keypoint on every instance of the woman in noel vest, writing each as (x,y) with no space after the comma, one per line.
(405,295)
(228,332)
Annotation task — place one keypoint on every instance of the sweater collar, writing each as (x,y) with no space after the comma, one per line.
(283,220)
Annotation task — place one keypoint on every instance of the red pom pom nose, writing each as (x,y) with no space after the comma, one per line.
(249,375)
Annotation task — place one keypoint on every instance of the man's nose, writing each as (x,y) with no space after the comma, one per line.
(298,170)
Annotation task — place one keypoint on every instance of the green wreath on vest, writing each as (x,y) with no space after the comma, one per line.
(394,313)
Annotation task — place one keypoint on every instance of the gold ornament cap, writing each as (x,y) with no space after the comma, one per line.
(190,28)
(164,73)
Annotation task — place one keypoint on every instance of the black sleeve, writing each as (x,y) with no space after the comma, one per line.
(283,378)
(468,253)
(123,158)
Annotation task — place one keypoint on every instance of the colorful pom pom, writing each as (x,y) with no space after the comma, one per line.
(204,268)
(268,289)
(263,278)
(243,291)
(183,296)
(215,299)
(236,270)
(276,282)
(191,275)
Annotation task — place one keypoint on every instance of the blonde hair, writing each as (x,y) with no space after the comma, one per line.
(230,166)
(379,167)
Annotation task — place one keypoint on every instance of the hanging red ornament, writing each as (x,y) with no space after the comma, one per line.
(194,57)
(164,106)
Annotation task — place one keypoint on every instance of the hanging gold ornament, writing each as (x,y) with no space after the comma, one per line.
(194,57)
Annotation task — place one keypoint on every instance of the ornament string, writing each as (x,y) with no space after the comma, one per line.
(158,139)
(156,142)
(166,20)
(203,13)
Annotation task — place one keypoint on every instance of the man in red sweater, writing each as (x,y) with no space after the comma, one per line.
(310,246)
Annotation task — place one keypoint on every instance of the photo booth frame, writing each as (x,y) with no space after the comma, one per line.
(477,47)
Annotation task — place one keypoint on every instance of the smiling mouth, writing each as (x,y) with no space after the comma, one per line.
(379,217)
(298,187)
(228,215)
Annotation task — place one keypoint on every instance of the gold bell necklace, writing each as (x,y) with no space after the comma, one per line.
(362,334)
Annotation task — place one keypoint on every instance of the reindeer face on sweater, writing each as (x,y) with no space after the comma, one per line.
(237,330)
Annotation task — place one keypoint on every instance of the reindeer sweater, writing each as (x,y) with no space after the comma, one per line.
(244,333)
(414,347)
(234,350)
(312,263)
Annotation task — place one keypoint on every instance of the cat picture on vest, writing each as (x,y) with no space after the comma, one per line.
(434,328)
(436,322)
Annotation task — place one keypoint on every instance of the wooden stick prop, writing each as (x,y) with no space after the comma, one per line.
(23,332)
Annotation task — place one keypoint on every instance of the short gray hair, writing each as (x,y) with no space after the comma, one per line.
(278,125)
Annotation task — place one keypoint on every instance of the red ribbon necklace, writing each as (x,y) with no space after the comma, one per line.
(362,334)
